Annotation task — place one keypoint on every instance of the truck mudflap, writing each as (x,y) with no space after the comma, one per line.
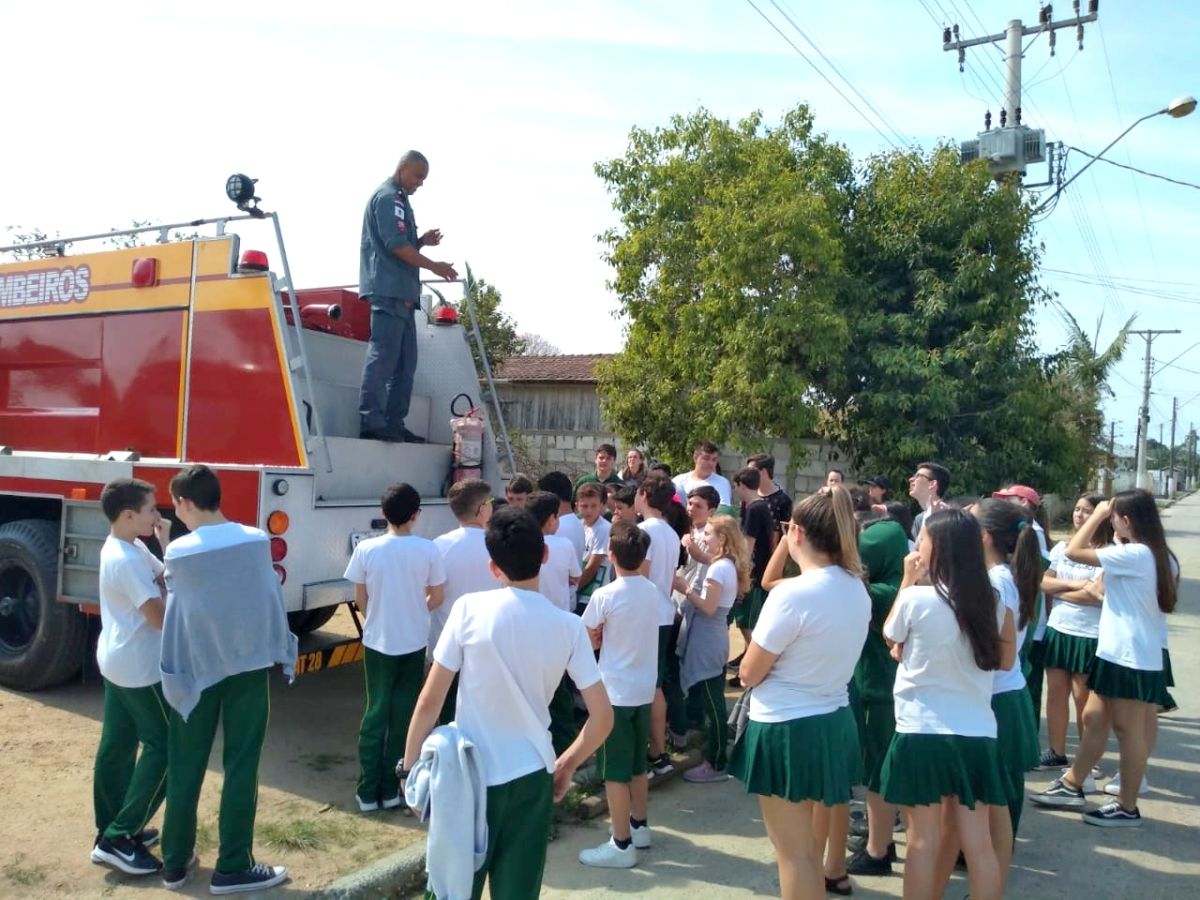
(319,650)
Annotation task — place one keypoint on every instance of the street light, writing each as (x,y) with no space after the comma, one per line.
(1176,109)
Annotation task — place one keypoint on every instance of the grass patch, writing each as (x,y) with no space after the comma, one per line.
(323,762)
(16,871)
(306,835)
(206,837)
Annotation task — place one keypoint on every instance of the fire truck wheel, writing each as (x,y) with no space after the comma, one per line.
(305,621)
(41,640)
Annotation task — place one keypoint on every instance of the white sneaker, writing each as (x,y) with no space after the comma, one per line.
(641,836)
(1114,786)
(391,802)
(1089,783)
(366,806)
(609,856)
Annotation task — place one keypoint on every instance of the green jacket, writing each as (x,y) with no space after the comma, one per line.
(882,546)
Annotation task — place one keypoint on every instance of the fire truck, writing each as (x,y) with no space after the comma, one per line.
(141,360)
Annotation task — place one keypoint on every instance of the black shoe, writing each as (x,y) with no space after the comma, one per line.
(147,837)
(863,863)
(1051,760)
(859,844)
(125,855)
(174,879)
(410,438)
(661,765)
(379,436)
(256,878)
(1060,794)
(1113,815)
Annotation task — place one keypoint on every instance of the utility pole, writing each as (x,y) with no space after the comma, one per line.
(1149,334)
(1110,463)
(1171,464)
(1011,147)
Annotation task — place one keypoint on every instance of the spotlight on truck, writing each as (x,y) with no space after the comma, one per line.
(240,189)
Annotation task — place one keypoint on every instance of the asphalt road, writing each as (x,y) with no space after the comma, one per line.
(709,839)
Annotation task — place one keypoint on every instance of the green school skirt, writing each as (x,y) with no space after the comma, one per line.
(921,769)
(1166,701)
(1068,652)
(812,758)
(1017,740)
(1117,682)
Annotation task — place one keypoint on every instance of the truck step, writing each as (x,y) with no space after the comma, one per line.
(365,468)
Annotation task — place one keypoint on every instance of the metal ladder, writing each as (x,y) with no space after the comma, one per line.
(488,392)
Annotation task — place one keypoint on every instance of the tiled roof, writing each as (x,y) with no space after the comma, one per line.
(577,368)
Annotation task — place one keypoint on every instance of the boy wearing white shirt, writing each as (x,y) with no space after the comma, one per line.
(398,578)
(570,526)
(128,789)
(655,494)
(589,501)
(705,459)
(510,648)
(622,621)
(465,558)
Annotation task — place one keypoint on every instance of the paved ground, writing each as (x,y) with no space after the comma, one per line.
(709,839)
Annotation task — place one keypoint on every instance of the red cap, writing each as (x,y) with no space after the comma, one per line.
(1023,491)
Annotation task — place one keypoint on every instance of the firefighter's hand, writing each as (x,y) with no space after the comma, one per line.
(431,238)
(444,270)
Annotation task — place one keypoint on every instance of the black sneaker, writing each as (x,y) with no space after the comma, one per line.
(857,844)
(863,863)
(174,879)
(125,855)
(1060,794)
(1051,760)
(660,765)
(256,878)
(147,837)
(858,826)
(1113,815)
(410,437)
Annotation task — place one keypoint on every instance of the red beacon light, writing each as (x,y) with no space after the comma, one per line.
(445,314)
(253,261)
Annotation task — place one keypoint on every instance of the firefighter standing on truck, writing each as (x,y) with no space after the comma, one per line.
(389,278)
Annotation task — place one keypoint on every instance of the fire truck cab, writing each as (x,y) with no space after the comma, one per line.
(138,361)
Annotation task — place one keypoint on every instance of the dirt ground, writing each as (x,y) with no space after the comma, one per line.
(307,817)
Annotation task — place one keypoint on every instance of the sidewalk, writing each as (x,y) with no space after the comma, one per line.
(709,840)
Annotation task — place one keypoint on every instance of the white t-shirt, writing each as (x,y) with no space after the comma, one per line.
(396,570)
(129,648)
(510,648)
(663,557)
(687,481)
(570,526)
(465,557)
(595,543)
(724,573)
(817,624)
(628,611)
(560,566)
(1066,617)
(1130,620)
(939,688)
(1004,680)
(1039,632)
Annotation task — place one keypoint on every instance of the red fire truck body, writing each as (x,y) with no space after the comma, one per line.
(136,362)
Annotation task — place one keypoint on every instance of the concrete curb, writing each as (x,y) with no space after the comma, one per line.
(403,873)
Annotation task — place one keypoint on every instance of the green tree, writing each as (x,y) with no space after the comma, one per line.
(498,331)
(728,267)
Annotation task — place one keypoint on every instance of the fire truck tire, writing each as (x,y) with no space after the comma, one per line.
(308,620)
(42,640)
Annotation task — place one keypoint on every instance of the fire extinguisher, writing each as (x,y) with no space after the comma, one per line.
(466,459)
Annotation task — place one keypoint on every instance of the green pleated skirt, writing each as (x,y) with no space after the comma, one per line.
(814,758)
(1117,682)
(1166,701)
(1068,652)
(921,769)
(1016,737)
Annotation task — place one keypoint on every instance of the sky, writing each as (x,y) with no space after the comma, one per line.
(140,110)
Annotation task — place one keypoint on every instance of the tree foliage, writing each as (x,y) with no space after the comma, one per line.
(771,290)
(536,345)
(497,330)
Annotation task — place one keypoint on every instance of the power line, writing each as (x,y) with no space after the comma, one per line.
(1105,159)
(824,77)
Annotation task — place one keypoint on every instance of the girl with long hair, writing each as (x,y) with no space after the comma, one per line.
(635,466)
(1129,676)
(800,750)
(1071,633)
(703,644)
(950,635)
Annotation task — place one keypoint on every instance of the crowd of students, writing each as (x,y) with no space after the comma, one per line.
(594,618)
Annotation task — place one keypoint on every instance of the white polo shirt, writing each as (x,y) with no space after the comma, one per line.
(396,569)
(1130,621)
(465,557)
(1004,680)
(510,649)
(628,611)
(129,648)
(663,557)
(560,566)
(685,482)
(1076,619)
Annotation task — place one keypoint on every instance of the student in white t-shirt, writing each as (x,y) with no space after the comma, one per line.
(590,499)
(704,471)
(398,578)
(704,638)
(569,525)
(129,788)
(1128,679)
(622,620)
(1072,629)
(800,750)
(510,648)
(950,634)
(654,495)
(465,558)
